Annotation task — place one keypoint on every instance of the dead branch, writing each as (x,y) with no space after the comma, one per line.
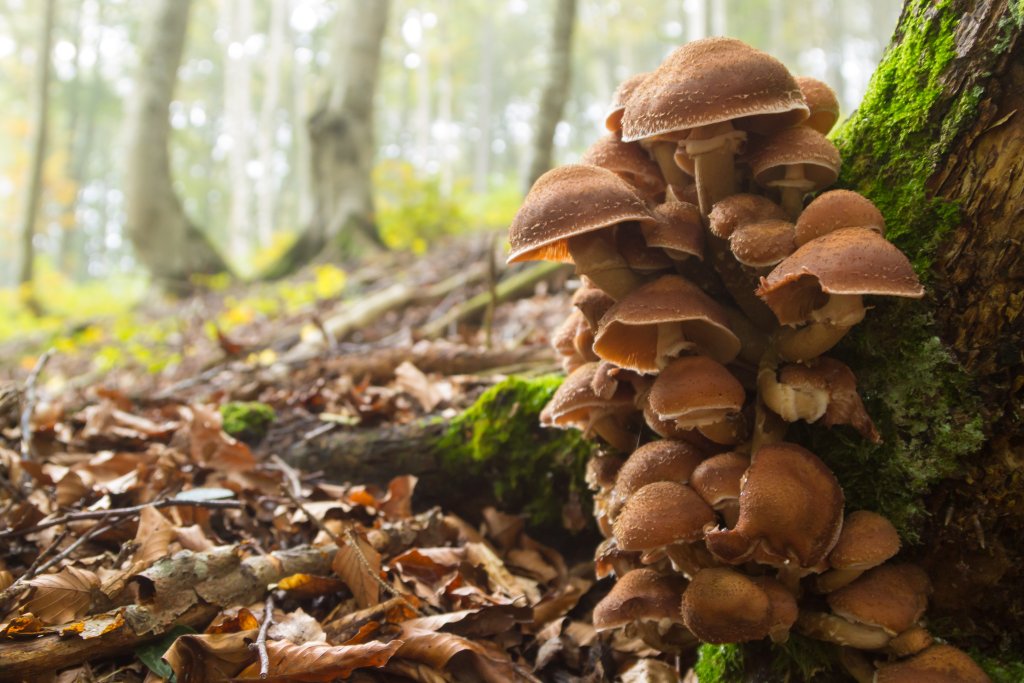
(30,405)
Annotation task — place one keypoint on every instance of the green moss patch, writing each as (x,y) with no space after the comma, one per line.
(499,438)
(247,421)
(720,663)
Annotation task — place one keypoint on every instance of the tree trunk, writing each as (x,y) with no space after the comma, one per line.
(34,187)
(266,201)
(342,142)
(238,117)
(167,243)
(556,90)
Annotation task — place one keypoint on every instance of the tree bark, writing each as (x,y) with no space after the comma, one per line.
(165,240)
(556,90)
(237,18)
(34,187)
(266,201)
(342,144)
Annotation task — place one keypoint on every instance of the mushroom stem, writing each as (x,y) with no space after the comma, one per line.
(688,558)
(612,431)
(793,187)
(596,256)
(663,152)
(857,665)
(833,629)
(712,149)
(835,579)
(670,342)
(829,324)
(740,283)
(769,428)
(791,403)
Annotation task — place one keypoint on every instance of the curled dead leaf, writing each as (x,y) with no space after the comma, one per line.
(313,663)
(61,597)
(359,568)
(197,658)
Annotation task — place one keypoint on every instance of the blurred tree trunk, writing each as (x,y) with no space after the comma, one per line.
(342,144)
(237,18)
(34,186)
(267,195)
(165,240)
(484,106)
(556,90)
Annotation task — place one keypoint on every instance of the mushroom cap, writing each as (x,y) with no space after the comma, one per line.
(867,540)
(837,382)
(724,606)
(834,210)
(719,478)
(639,255)
(735,211)
(629,161)
(821,101)
(663,460)
(805,146)
(592,303)
(640,595)
(847,261)
(937,664)
(568,201)
(678,230)
(660,514)
(891,596)
(613,122)
(710,81)
(791,511)
(575,401)
(696,391)
(602,469)
(628,333)
(784,611)
(763,243)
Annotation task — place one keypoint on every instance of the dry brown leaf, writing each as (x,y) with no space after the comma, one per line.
(210,657)
(427,393)
(244,620)
(313,663)
(438,649)
(210,445)
(193,538)
(397,504)
(64,596)
(71,489)
(152,539)
(501,579)
(360,578)
(309,586)
(296,627)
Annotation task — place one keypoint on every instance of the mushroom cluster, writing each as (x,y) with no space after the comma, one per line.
(709,295)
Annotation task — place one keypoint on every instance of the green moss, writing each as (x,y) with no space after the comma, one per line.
(499,438)
(902,128)
(802,659)
(720,663)
(923,404)
(1002,670)
(247,421)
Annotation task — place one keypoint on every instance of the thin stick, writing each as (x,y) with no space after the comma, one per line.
(122,512)
(261,639)
(492,292)
(30,405)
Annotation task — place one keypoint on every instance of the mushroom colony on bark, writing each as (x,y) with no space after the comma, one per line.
(711,293)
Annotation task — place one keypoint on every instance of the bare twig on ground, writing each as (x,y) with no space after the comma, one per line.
(261,638)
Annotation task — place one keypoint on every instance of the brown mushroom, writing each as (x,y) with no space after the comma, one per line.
(867,540)
(796,161)
(660,514)
(712,91)
(784,611)
(834,210)
(937,664)
(574,342)
(722,605)
(613,122)
(822,103)
(718,480)
(641,594)
(664,460)
(629,161)
(592,303)
(576,405)
(891,596)
(647,328)
(678,230)
(762,244)
(696,391)
(737,210)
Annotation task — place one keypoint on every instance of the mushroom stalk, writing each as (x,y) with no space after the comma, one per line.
(834,579)
(609,429)
(596,256)
(713,149)
(829,324)
(663,152)
(833,629)
(793,187)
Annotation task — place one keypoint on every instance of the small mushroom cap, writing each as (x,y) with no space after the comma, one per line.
(628,333)
(737,210)
(937,664)
(892,596)
(664,460)
(834,210)
(568,201)
(640,595)
(847,261)
(629,161)
(678,230)
(867,540)
(696,391)
(592,303)
(574,401)
(710,81)
(602,469)
(724,606)
(784,611)
(836,380)
(660,514)
(822,103)
(805,146)
(791,511)
(762,244)
(638,254)
(719,478)
(613,122)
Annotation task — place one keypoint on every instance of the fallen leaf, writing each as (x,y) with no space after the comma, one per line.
(359,569)
(61,597)
(314,663)
(398,502)
(309,586)
(244,620)
(427,393)
(210,657)
(153,538)
(438,649)
(296,627)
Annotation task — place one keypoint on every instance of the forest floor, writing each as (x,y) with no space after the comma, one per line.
(152,530)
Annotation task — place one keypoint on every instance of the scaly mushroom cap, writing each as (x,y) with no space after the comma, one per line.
(762,244)
(575,402)
(737,210)
(791,511)
(822,103)
(837,382)
(834,210)
(641,258)
(891,596)
(937,664)
(719,478)
(568,201)
(661,514)
(724,606)
(602,470)
(801,146)
(696,391)
(640,595)
(868,539)
(784,608)
(847,261)
(678,230)
(628,334)
(629,161)
(710,81)
(664,460)
(613,122)
(592,303)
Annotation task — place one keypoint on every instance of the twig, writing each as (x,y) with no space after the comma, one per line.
(30,405)
(122,512)
(290,474)
(261,639)
(492,292)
